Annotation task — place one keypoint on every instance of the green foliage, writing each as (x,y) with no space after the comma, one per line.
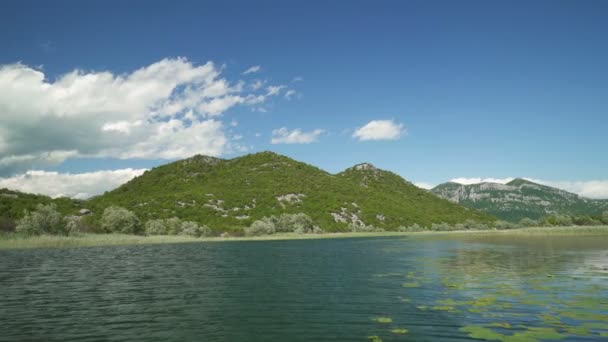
(297,223)
(229,195)
(193,229)
(44,220)
(13,205)
(605,217)
(119,220)
(413,228)
(528,222)
(361,228)
(264,226)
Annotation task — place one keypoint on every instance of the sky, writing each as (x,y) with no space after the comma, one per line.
(93,93)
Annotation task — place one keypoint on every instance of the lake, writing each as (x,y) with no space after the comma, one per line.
(418,288)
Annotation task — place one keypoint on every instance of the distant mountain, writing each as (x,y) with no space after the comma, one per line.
(519,199)
(230,194)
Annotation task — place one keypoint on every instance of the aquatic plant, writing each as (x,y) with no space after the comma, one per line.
(399,331)
(384,320)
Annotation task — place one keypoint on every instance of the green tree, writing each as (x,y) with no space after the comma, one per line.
(119,220)
(44,220)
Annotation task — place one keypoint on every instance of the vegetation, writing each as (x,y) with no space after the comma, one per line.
(119,220)
(296,223)
(229,195)
(256,195)
(44,220)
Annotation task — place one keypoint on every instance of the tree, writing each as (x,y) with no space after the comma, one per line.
(193,229)
(119,220)
(155,227)
(44,220)
(264,226)
(605,217)
(528,222)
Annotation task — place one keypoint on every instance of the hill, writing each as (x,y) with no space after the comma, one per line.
(13,204)
(231,194)
(519,199)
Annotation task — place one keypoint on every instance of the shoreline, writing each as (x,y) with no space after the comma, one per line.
(92,240)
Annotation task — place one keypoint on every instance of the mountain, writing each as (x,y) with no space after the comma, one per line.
(519,199)
(231,194)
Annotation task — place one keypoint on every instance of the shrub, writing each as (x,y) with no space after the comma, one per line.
(44,220)
(7,224)
(193,229)
(413,228)
(503,225)
(299,223)
(441,226)
(173,225)
(73,225)
(156,227)
(264,226)
(558,220)
(119,220)
(362,228)
(528,222)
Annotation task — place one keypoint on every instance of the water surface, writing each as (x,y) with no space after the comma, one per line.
(411,289)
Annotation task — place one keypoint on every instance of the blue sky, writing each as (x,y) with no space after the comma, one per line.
(480,88)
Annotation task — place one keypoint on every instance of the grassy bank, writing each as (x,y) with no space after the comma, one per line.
(84,240)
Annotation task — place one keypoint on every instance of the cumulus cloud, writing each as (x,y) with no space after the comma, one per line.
(252,70)
(296,136)
(78,185)
(379,130)
(168,109)
(591,189)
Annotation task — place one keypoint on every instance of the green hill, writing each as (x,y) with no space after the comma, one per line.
(519,199)
(231,194)
(14,203)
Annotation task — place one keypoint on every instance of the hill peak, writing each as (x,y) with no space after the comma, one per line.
(365,166)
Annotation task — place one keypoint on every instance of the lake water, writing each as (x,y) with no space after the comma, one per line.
(438,289)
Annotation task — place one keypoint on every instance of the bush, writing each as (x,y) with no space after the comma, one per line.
(441,226)
(119,220)
(299,223)
(74,225)
(362,228)
(557,220)
(504,225)
(413,228)
(605,217)
(7,225)
(527,222)
(264,226)
(44,220)
(156,227)
(193,229)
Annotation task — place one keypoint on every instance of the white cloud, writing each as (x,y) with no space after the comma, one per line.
(257,84)
(78,185)
(424,185)
(476,180)
(590,189)
(379,130)
(253,69)
(168,109)
(274,90)
(289,94)
(298,79)
(296,136)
